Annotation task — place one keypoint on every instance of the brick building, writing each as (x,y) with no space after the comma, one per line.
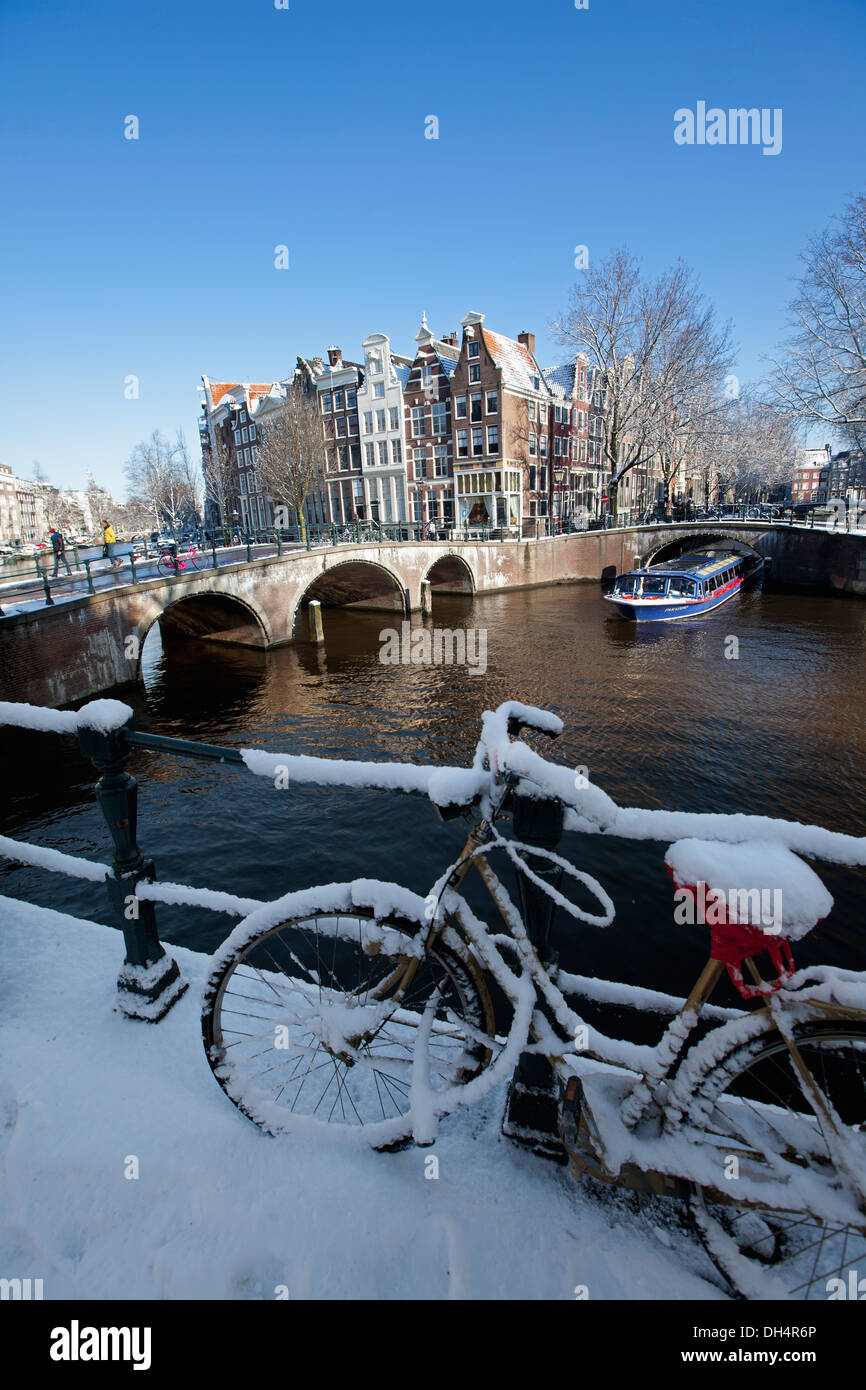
(428,428)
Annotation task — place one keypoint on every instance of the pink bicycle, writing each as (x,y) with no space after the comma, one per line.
(170,562)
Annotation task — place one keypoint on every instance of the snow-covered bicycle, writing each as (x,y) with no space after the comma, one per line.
(368,1012)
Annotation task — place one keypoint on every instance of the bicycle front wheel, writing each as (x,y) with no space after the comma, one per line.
(753,1103)
(167,566)
(312,1025)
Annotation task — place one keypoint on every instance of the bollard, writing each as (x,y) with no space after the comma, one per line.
(407,599)
(317,634)
(426,597)
(149,982)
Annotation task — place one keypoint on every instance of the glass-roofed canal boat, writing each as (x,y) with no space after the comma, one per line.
(682,588)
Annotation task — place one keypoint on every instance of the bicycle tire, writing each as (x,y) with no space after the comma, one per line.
(772,1252)
(290,982)
(191,561)
(167,566)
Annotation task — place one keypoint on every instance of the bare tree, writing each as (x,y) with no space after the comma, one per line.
(661,361)
(820,376)
(291,455)
(157,480)
(755,455)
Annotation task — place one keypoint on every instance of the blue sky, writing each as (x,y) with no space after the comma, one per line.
(305,127)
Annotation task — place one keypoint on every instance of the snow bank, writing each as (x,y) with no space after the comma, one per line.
(127,1174)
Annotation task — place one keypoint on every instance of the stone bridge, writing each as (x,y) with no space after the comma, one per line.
(92,643)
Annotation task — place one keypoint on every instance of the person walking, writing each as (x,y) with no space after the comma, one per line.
(109,537)
(58,545)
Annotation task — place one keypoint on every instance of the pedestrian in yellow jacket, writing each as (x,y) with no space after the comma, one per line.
(109,537)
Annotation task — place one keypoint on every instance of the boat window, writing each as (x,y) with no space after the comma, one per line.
(654,588)
(686,588)
(627,584)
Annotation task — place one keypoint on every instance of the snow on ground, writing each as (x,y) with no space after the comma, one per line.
(221,1211)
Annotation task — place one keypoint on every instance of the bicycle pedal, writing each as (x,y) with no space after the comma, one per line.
(542,1144)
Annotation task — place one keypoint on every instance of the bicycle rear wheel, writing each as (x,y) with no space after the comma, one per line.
(754,1102)
(167,565)
(311,1025)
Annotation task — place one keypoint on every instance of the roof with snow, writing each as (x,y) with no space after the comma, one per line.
(519,368)
(560,380)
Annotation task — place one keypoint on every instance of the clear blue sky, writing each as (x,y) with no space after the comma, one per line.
(305,126)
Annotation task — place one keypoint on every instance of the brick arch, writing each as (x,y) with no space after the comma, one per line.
(355,580)
(452,573)
(671,548)
(208,611)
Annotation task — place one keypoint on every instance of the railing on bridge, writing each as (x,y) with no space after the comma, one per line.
(215,548)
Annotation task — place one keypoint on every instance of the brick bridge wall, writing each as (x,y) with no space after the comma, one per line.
(58,655)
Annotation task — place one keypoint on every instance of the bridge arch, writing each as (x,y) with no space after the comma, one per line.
(697,541)
(208,614)
(451,573)
(358,583)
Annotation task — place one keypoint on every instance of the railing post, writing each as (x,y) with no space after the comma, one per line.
(149,982)
(249,550)
(213,553)
(132,567)
(90,588)
(43,575)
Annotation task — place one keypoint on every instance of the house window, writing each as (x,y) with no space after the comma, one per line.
(342,457)
(245,434)
(533,477)
(420,459)
(543,442)
(462,444)
(474,372)
(574,453)
(557,445)
(378,390)
(474,349)
(477,441)
(542,480)
(380,421)
(418,430)
(243,417)
(533,445)
(493,439)
(439,417)
(326,403)
(536,384)
(339,400)
(583,451)
(237,436)
(352,397)
(353,424)
(243,482)
(368,422)
(533,412)
(340,422)
(375,364)
(394,417)
(475,406)
(440,458)
(252,431)
(370,455)
(426,376)
(355,455)
(461,407)
(396,451)
(383,452)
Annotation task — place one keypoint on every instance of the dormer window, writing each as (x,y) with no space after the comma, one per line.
(536,384)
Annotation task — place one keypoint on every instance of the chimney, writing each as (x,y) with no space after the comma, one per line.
(318,363)
(528,341)
(335,357)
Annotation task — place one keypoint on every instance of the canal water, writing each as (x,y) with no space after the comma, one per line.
(662,716)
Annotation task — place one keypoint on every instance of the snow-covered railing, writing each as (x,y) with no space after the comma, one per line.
(106,732)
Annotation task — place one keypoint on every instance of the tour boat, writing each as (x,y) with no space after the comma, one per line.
(682,588)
